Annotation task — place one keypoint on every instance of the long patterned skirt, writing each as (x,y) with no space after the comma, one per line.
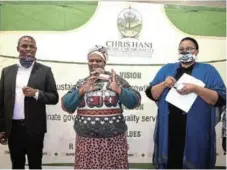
(100,153)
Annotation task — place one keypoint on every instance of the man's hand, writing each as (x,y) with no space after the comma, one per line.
(3,139)
(29,92)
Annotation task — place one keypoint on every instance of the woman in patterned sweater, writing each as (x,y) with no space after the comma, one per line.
(101,141)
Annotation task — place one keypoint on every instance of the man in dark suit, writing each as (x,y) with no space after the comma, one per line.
(25,89)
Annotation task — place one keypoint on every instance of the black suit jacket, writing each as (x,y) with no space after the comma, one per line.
(41,78)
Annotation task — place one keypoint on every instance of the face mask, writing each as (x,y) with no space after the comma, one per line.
(26,61)
(186,57)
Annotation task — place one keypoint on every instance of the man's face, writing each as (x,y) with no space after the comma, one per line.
(95,61)
(27,47)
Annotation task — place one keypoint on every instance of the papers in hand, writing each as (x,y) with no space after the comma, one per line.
(183,102)
(104,76)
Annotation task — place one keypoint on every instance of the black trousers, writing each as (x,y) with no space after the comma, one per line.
(224,143)
(177,131)
(21,143)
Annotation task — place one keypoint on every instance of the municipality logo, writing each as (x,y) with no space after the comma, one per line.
(130,44)
(129,23)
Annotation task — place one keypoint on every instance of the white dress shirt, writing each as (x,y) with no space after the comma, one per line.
(22,77)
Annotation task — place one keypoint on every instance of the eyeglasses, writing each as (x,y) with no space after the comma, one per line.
(186,49)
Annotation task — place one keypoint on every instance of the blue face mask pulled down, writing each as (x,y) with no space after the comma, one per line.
(26,61)
(186,57)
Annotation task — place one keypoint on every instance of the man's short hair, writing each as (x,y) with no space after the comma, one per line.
(25,36)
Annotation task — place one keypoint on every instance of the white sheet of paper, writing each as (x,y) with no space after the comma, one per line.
(183,102)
